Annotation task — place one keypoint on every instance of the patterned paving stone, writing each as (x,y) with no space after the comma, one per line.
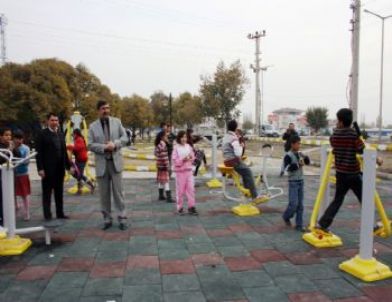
(256,278)
(100,299)
(107,270)
(137,293)
(139,261)
(236,264)
(68,280)
(103,287)
(232,251)
(265,294)
(267,255)
(207,259)
(176,266)
(24,291)
(318,271)
(296,283)
(337,288)
(76,265)
(61,294)
(308,297)
(142,276)
(180,283)
(218,284)
(378,293)
(281,268)
(189,296)
(37,272)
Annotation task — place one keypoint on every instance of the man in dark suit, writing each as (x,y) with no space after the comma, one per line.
(52,160)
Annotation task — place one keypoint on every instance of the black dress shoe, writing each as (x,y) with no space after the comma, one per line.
(122,226)
(107,225)
(63,217)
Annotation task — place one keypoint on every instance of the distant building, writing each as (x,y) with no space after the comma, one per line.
(281,118)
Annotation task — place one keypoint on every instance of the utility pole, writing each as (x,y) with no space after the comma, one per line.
(170,110)
(256,69)
(3,23)
(355,22)
(382,18)
(263,69)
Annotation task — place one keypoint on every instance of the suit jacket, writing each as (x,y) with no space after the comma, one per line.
(96,144)
(46,150)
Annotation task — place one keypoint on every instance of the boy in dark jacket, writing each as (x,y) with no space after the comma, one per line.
(293,163)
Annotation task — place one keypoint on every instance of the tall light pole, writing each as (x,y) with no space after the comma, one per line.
(3,55)
(355,21)
(263,69)
(383,18)
(256,69)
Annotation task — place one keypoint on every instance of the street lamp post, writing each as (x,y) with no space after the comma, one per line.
(263,69)
(383,18)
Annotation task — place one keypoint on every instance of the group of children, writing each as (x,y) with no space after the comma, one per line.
(181,160)
(13,141)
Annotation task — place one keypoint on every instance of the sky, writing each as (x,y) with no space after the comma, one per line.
(143,46)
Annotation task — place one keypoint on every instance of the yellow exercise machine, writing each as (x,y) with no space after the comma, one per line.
(77,121)
(246,206)
(321,239)
(364,266)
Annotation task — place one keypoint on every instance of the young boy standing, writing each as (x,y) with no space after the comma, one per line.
(293,163)
(346,145)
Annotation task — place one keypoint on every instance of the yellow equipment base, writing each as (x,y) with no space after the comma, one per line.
(260,199)
(14,246)
(245,209)
(366,270)
(3,234)
(321,239)
(74,190)
(214,183)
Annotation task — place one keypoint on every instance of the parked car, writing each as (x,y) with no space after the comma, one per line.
(269,131)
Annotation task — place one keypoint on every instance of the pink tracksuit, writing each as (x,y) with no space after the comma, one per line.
(184,175)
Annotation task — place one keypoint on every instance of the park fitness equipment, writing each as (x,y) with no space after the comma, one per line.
(77,121)
(248,208)
(214,182)
(321,239)
(364,266)
(12,243)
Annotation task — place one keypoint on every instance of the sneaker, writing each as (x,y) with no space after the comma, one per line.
(287,222)
(300,229)
(180,211)
(192,211)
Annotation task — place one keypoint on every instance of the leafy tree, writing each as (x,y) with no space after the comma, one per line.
(222,93)
(137,113)
(160,107)
(187,110)
(248,125)
(317,118)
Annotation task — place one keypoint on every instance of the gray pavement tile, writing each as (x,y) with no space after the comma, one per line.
(23,291)
(189,296)
(226,241)
(280,268)
(219,284)
(171,244)
(143,249)
(180,282)
(173,254)
(5,281)
(233,251)
(103,287)
(100,299)
(318,271)
(112,255)
(136,240)
(142,276)
(145,293)
(195,239)
(201,248)
(337,288)
(68,280)
(64,294)
(257,278)
(297,283)
(265,294)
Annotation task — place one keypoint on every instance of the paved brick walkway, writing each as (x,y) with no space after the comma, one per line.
(214,257)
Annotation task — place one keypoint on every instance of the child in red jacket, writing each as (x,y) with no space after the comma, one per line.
(81,158)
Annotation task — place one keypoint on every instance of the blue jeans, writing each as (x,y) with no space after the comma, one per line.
(296,202)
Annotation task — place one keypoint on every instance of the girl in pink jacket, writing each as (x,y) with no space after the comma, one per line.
(182,160)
